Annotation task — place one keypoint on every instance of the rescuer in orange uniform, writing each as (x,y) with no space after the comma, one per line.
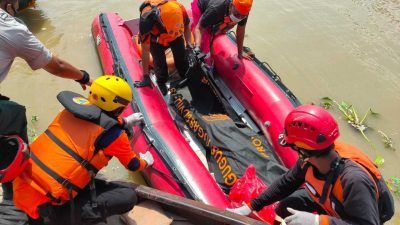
(163,24)
(57,185)
(342,185)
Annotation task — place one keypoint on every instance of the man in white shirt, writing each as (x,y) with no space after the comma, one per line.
(17,41)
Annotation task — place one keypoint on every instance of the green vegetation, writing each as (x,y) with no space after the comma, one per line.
(351,115)
(379,160)
(394,185)
(32,135)
(386,140)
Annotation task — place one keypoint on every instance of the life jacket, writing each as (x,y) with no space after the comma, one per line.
(65,157)
(329,193)
(166,20)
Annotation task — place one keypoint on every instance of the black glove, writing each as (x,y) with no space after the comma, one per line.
(85,79)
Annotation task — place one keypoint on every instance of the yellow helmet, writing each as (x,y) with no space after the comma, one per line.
(110,93)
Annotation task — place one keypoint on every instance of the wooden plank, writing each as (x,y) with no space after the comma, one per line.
(193,208)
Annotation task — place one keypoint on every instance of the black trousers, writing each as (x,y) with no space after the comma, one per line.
(160,62)
(299,200)
(112,199)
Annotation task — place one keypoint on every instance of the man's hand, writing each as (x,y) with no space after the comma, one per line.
(301,218)
(243,210)
(148,157)
(85,81)
(88,84)
(244,56)
(133,120)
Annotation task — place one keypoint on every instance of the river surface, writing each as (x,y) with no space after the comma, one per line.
(348,50)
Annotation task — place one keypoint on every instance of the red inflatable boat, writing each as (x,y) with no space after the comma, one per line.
(253,90)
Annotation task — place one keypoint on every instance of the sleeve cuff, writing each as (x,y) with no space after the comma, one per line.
(42,60)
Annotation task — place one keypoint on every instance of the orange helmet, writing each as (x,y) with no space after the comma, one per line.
(242,6)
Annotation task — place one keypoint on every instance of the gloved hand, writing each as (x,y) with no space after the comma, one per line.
(301,218)
(243,210)
(133,120)
(148,157)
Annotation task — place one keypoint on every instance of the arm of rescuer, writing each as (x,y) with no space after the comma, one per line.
(62,68)
(210,17)
(198,33)
(240,33)
(278,190)
(186,32)
(28,47)
(121,149)
(359,205)
(145,56)
(281,188)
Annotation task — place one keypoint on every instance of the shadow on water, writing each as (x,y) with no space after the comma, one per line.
(41,26)
(36,20)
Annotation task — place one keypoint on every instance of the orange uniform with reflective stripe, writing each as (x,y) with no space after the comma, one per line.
(36,186)
(314,186)
(172,16)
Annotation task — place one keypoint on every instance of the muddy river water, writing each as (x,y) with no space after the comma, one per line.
(348,50)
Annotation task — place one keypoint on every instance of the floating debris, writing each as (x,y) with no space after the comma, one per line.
(387,141)
(32,134)
(394,185)
(350,114)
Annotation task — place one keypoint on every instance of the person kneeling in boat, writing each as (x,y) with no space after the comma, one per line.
(163,24)
(342,185)
(57,185)
(212,17)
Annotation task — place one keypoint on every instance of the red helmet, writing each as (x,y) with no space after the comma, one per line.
(13,159)
(310,127)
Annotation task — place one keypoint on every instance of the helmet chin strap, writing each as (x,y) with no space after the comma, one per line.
(115,113)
